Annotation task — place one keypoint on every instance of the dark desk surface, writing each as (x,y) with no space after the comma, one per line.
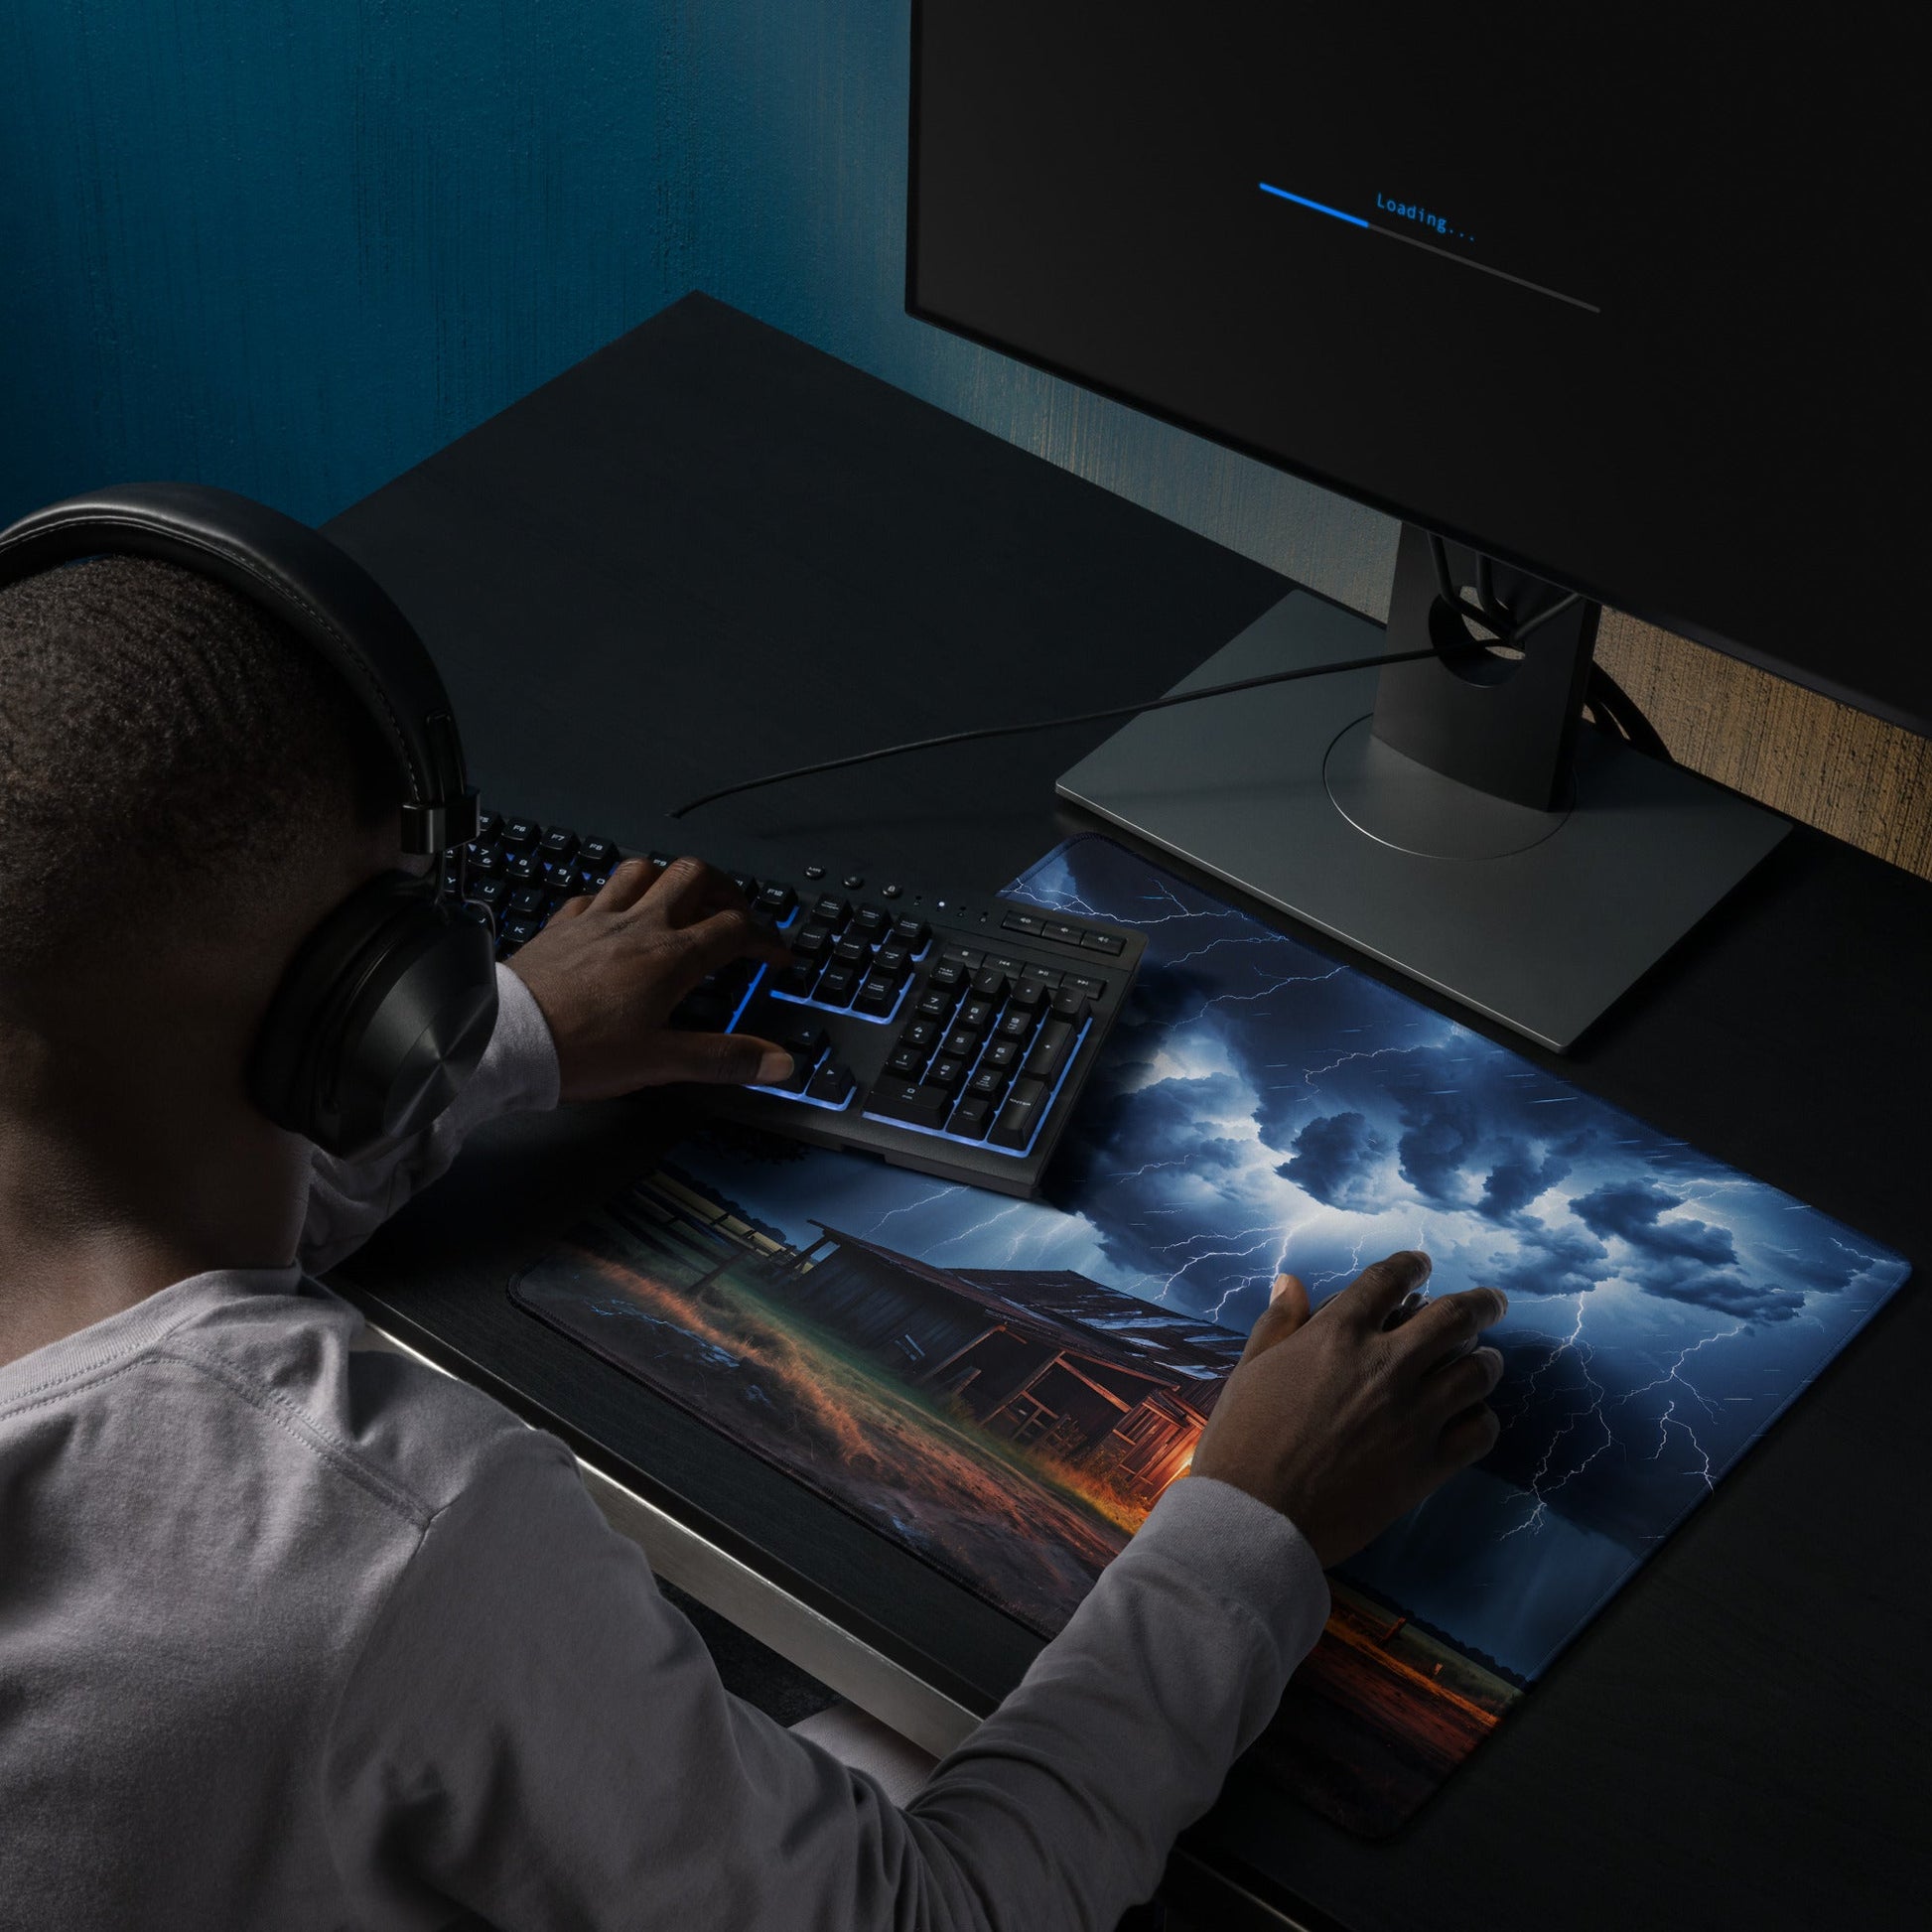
(708,551)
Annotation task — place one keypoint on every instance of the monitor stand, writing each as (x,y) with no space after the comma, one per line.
(1453,822)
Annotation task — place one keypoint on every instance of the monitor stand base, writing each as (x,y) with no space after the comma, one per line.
(1536,919)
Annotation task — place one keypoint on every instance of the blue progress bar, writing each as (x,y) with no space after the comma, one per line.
(1302,200)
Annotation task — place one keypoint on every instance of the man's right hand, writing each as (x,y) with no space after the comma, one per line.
(1345,1419)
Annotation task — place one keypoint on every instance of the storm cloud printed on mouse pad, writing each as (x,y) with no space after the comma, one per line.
(1004,1387)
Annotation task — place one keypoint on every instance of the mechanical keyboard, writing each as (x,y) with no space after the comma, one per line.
(944,1034)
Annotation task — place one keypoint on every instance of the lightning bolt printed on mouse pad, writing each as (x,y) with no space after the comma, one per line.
(1004,1387)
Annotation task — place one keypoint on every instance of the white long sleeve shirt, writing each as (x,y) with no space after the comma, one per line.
(296,1633)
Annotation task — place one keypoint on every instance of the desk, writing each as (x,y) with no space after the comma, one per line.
(709,551)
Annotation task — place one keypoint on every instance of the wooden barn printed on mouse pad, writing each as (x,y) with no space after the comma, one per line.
(1004,1387)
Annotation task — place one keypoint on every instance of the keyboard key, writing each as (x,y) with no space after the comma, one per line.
(873,920)
(1020,1117)
(836,986)
(1046,975)
(950,976)
(1051,1050)
(989,1083)
(1069,1004)
(912,934)
(485,862)
(558,844)
(803,1040)
(832,911)
(853,881)
(746,884)
(527,901)
(522,834)
(961,1043)
(945,1073)
(969,957)
(1106,942)
(1087,983)
(796,1080)
(489,828)
(1027,922)
(832,1082)
(977,1014)
(905,1062)
(876,997)
(991,983)
(796,982)
(1031,995)
(892,961)
(779,900)
(599,853)
(489,892)
(1003,1056)
(814,943)
(918,1106)
(972,1117)
(936,1004)
(1061,933)
(1017,1024)
(852,951)
(523,869)
(519,931)
(890,891)
(1006,963)
(922,1034)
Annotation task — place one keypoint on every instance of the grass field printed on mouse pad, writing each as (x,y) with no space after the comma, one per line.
(1004,1387)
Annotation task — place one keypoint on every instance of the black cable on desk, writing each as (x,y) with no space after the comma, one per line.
(1054,724)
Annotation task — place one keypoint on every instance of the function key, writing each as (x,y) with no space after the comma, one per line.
(831,910)
(779,900)
(853,881)
(1060,932)
(745,883)
(522,834)
(600,853)
(1027,922)
(911,934)
(558,844)
(489,828)
(1106,942)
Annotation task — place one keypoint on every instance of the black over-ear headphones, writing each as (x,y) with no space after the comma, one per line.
(388,1006)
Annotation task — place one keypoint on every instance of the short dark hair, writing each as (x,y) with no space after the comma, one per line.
(168,750)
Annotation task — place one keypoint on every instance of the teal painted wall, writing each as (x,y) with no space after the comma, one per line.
(294,245)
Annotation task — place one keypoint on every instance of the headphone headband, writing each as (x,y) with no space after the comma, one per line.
(298,576)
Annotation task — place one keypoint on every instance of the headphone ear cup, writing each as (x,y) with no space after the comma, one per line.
(381,1017)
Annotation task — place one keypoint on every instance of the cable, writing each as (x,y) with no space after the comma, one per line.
(1054,724)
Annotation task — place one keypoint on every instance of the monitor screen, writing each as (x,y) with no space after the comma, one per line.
(1633,298)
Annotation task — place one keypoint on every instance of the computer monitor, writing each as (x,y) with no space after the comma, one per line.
(1626,303)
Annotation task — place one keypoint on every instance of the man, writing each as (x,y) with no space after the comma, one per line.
(294,1633)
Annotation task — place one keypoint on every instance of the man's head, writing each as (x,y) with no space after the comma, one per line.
(178,773)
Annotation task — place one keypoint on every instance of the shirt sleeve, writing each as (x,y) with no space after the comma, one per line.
(533,1734)
(349,1199)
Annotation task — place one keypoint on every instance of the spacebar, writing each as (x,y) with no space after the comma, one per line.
(916,1106)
